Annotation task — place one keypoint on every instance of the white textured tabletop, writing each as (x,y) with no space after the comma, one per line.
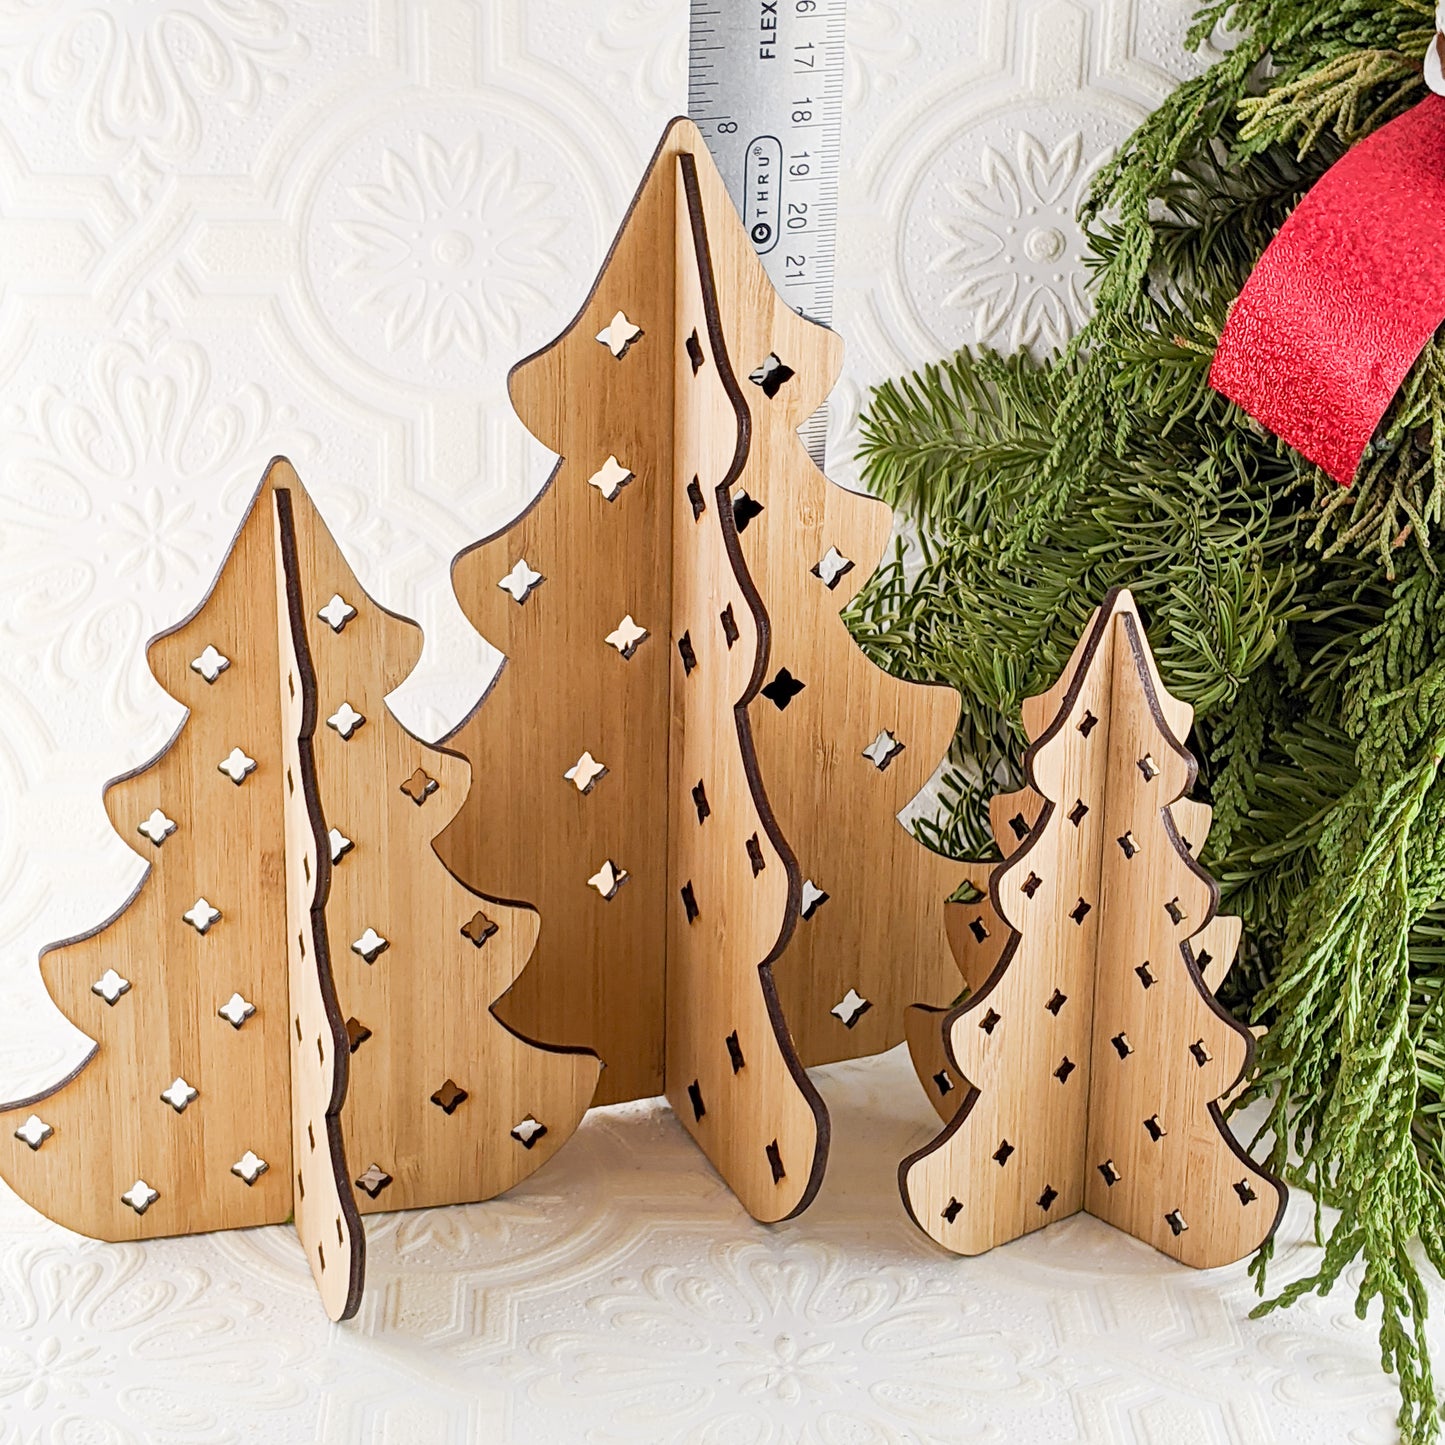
(232,228)
(621,1295)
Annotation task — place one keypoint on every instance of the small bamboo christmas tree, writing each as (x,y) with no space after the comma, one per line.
(1093,1053)
(680,693)
(294,1003)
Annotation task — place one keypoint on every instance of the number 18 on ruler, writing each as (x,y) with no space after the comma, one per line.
(765,87)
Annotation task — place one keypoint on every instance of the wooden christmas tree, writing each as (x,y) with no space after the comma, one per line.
(293,1006)
(685,764)
(1084,1070)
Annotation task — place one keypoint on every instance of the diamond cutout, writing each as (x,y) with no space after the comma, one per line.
(236,1010)
(179,1095)
(371,945)
(608,879)
(527,1132)
(210,664)
(34,1132)
(201,915)
(882,750)
(619,334)
(157,827)
(745,508)
(140,1196)
(521,581)
(250,1166)
(813,898)
(610,478)
(420,786)
(850,1008)
(110,985)
(345,720)
(449,1097)
(357,1034)
(586,773)
(374,1180)
(337,613)
(236,766)
(832,568)
(770,374)
(626,637)
(478,929)
(782,689)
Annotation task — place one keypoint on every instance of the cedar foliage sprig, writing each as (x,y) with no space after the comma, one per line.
(1305,622)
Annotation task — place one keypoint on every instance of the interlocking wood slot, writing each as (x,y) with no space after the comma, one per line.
(292,894)
(732,546)
(1102,1053)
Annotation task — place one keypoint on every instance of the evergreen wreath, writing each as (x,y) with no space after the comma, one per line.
(1304,621)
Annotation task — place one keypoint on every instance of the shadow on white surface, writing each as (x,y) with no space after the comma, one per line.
(621,1295)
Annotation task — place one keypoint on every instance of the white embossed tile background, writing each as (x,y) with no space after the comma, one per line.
(231,228)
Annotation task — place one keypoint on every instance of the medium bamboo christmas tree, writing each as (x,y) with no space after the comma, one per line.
(1304,621)
(681,693)
(1094,1052)
(294,1003)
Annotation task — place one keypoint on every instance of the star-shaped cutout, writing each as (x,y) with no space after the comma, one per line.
(850,1008)
(521,581)
(770,374)
(586,773)
(34,1131)
(882,750)
(110,985)
(370,945)
(157,827)
(478,928)
(140,1196)
(337,613)
(626,637)
(420,786)
(179,1094)
(249,1167)
(619,334)
(527,1132)
(236,766)
(813,898)
(236,1010)
(832,567)
(608,879)
(201,915)
(449,1097)
(341,845)
(782,689)
(210,664)
(345,720)
(610,478)
(374,1180)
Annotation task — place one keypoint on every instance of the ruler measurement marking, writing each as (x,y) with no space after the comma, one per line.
(765,87)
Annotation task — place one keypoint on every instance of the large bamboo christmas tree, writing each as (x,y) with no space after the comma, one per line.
(1094,1052)
(291,1013)
(680,695)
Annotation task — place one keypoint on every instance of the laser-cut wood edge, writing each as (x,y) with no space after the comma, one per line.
(737,1150)
(922,1200)
(312,983)
(569,379)
(195,1188)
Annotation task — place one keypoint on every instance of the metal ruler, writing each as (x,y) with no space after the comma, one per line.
(765,87)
